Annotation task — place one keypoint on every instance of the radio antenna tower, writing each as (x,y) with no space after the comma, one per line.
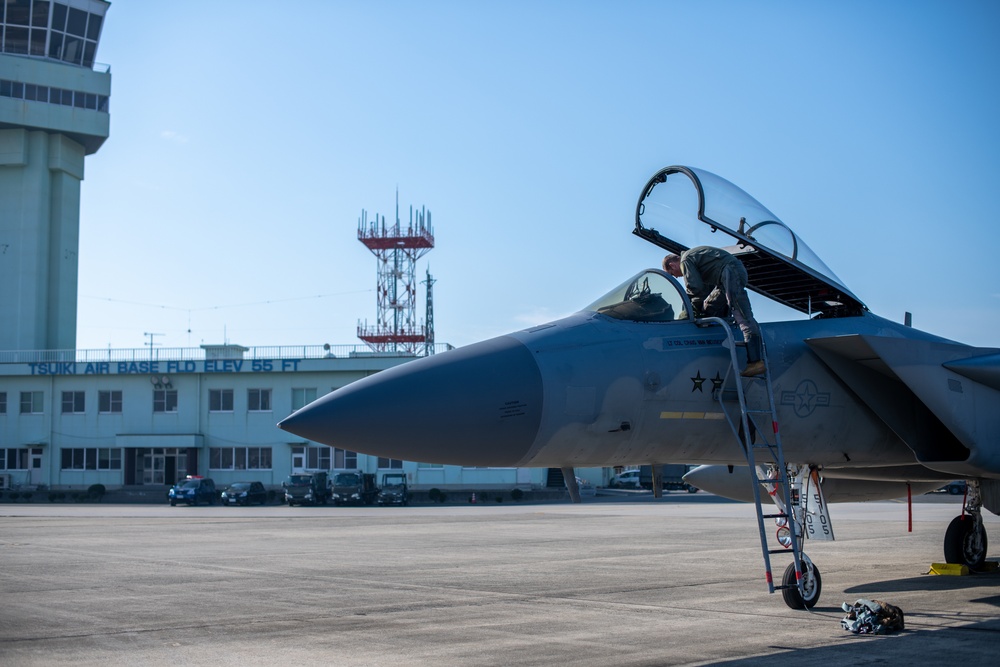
(429,317)
(397,251)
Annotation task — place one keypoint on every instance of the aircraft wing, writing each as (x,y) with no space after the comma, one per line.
(927,391)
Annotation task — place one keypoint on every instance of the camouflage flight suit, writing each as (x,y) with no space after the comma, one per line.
(716,282)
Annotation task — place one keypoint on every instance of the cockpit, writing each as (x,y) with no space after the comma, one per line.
(651,296)
(683,207)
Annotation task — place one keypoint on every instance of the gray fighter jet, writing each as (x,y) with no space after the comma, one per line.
(852,406)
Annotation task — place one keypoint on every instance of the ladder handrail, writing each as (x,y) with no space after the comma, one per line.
(757,472)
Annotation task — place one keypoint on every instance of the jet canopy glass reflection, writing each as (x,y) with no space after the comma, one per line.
(684,207)
(651,296)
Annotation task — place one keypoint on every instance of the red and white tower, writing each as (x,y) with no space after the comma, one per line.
(397,251)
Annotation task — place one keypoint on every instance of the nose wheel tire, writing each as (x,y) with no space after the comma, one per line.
(812,586)
(965,542)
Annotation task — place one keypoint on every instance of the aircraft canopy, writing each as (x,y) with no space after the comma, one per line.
(684,207)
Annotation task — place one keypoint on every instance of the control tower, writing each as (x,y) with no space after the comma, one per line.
(397,251)
(53,113)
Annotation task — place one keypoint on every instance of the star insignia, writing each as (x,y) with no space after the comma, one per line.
(805,398)
(717,382)
(698,380)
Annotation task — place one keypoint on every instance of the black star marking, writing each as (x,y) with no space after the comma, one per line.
(717,382)
(698,381)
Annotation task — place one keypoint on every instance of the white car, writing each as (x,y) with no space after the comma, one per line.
(626,480)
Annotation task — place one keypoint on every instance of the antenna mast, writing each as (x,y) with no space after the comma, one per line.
(429,317)
(397,251)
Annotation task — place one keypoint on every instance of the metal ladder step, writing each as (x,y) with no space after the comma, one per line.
(732,391)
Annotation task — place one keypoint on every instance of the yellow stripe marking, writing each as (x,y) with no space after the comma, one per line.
(692,415)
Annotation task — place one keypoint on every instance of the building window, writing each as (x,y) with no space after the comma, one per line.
(312,458)
(31,402)
(92,458)
(239,458)
(16,40)
(302,397)
(35,93)
(61,96)
(318,458)
(391,464)
(109,402)
(220,400)
(345,459)
(259,400)
(16,458)
(430,466)
(164,400)
(73,403)
(3,402)
(81,30)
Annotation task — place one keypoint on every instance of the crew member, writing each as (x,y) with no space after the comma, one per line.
(716,282)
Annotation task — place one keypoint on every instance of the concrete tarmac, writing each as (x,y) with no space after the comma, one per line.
(677,581)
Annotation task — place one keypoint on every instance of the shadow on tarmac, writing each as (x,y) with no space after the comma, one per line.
(626,496)
(928,582)
(912,646)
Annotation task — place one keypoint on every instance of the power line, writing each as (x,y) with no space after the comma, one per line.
(221,307)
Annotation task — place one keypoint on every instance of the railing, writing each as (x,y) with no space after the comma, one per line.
(198,354)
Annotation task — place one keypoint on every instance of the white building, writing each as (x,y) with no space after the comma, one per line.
(136,417)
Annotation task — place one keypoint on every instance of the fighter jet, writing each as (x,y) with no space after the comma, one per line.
(851,407)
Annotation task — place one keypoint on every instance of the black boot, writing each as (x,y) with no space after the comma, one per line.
(755,366)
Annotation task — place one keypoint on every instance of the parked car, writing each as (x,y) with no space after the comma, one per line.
(956,488)
(244,493)
(626,480)
(193,490)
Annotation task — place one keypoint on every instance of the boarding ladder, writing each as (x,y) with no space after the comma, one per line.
(756,430)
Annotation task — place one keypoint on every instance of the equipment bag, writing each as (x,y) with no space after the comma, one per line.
(872,617)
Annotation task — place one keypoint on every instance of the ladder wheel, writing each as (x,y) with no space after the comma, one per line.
(812,586)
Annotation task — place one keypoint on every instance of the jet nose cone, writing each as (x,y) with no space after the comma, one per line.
(476,406)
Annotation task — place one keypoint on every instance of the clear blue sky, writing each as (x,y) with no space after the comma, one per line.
(247,136)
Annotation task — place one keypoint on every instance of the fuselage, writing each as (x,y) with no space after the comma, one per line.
(619,392)
(592,390)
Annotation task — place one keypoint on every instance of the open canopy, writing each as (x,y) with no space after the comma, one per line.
(684,207)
